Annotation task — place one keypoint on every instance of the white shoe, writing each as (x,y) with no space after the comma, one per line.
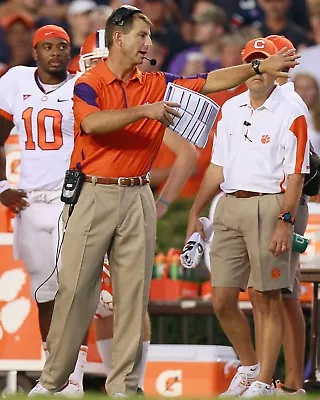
(39,390)
(119,395)
(240,383)
(281,392)
(258,389)
(73,389)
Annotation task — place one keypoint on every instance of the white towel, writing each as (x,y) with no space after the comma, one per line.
(194,248)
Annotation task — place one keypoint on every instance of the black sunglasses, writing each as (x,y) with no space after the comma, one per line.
(124,13)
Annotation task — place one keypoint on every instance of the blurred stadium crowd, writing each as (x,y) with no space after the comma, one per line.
(189,37)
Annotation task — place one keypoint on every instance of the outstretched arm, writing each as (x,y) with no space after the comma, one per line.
(227,78)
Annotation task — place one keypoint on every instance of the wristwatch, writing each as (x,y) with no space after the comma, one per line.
(255,65)
(286,217)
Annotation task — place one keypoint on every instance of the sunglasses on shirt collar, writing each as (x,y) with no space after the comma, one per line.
(124,13)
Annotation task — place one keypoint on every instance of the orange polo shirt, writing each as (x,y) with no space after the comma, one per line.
(166,158)
(129,151)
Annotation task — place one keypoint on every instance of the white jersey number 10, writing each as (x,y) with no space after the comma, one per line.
(43,143)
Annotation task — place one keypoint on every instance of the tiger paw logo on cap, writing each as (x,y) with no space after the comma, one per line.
(265,139)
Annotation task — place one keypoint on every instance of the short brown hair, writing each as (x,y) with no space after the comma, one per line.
(125,28)
(214,14)
(233,39)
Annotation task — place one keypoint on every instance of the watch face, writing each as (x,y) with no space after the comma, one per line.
(287,216)
(255,65)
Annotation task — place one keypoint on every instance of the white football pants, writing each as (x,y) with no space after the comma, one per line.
(35,241)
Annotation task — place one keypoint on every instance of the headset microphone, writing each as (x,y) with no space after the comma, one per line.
(152,61)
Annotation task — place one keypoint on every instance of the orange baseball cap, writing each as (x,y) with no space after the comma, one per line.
(50,31)
(258,46)
(280,42)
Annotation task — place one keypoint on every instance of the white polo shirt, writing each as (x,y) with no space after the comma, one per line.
(259,148)
(290,94)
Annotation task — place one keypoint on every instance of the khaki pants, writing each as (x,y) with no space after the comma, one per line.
(122,222)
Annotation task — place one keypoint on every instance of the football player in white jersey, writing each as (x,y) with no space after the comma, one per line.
(38,101)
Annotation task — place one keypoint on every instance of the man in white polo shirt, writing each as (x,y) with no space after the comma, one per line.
(294,323)
(260,154)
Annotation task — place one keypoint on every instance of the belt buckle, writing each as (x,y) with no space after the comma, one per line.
(94,180)
(120,180)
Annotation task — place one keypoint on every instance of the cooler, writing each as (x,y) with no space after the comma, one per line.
(189,370)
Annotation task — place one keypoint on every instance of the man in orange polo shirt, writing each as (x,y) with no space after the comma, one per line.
(120,120)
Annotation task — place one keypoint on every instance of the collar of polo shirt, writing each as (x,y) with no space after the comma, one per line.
(287,87)
(103,70)
(272,101)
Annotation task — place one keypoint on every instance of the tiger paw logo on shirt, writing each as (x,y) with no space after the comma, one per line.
(265,139)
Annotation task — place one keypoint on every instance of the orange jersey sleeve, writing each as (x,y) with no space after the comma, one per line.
(85,98)
(195,82)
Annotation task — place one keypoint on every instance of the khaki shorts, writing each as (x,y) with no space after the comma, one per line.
(243,229)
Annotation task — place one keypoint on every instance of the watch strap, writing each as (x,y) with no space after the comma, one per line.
(286,217)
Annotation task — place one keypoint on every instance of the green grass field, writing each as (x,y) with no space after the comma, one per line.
(91,396)
(101,396)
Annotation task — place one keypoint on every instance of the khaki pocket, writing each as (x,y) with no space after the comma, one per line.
(279,197)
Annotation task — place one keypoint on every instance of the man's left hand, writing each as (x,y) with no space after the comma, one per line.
(282,238)
(275,64)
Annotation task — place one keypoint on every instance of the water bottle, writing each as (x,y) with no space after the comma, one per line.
(159,266)
(174,268)
(299,243)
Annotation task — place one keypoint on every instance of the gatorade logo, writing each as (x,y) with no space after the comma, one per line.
(169,383)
